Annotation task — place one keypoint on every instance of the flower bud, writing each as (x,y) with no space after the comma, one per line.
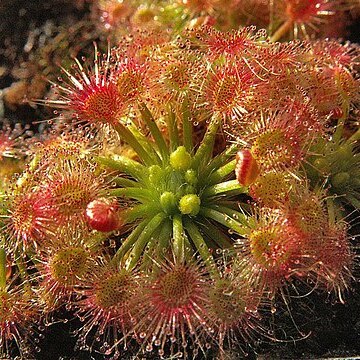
(168,202)
(246,169)
(102,215)
(189,204)
(180,159)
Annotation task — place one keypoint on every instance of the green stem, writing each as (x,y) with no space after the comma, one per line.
(156,133)
(139,194)
(143,238)
(27,175)
(354,201)
(354,137)
(23,272)
(124,182)
(173,130)
(165,236)
(241,218)
(340,126)
(188,249)
(339,131)
(217,235)
(123,164)
(233,205)
(178,235)
(157,245)
(128,243)
(271,16)
(2,268)
(187,126)
(146,143)
(282,30)
(140,211)
(223,188)
(97,241)
(331,210)
(202,248)
(220,173)
(206,147)
(220,160)
(225,220)
(346,101)
(129,137)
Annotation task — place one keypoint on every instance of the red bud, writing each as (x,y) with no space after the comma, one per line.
(102,215)
(246,168)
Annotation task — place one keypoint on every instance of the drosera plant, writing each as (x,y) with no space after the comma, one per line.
(336,163)
(283,19)
(18,313)
(171,191)
(130,215)
(64,263)
(235,306)
(12,150)
(171,312)
(106,308)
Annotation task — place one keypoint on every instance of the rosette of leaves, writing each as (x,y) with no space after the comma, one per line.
(179,195)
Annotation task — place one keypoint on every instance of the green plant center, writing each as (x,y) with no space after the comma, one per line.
(176,184)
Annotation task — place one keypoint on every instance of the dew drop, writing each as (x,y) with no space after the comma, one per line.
(172,339)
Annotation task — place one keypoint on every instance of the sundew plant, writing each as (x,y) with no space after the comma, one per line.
(199,173)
